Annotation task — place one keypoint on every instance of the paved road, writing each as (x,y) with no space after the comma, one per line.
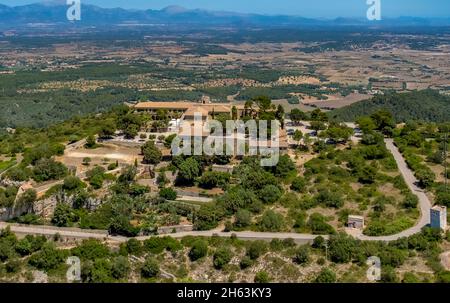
(194,199)
(410,180)
(102,235)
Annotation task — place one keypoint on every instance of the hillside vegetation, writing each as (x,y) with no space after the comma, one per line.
(426,105)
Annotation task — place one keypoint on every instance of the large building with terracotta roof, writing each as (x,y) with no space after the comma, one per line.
(187,112)
(174,110)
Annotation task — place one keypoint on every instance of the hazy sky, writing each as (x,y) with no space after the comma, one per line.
(307,8)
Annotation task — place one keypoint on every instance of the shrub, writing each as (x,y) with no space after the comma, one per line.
(271,221)
(198,250)
(91,249)
(298,184)
(246,262)
(318,225)
(329,199)
(48,169)
(221,257)
(72,183)
(13,266)
(47,258)
(388,275)
(270,193)
(318,242)
(302,255)
(168,193)
(410,201)
(326,276)
(213,179)
(243,218)
(120,267)
(154,245)
(90,142)
(134,247)
(152,154)
(150,268)
(341,248)
(262,277)
(256,249)
(425,176)
(63,215)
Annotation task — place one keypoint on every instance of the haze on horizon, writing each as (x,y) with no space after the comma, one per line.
(305,8)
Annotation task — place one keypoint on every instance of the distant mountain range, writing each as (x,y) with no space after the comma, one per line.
(52,13)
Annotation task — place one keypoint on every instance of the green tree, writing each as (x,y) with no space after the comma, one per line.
(318,225)
(298,184)
(90,142)
(341,248)
(198,250)
(243,218)
(264,103)
(298,135)
(366,174)
(207,217)
(152,154)
(384,121)
(49,169)
(329,198)
(339,133)
(245,262)
(319,242)
(134,247)
(256,249)
(107,130)
(297,115)
(221,257)
(213,179)
(366,124)
(168,193)
(150,268)
(319,115)
(270,193)
(168,140)
(318,125)
(87,161)
(271,221)
(62,216)
(49,257)
(131,131)
(72,183)
(284,166)
(302,255)
(189,170)
(388,275)
(426,177)
(120,267)
(262,277)
(91,249)
(410,201)
(326,276)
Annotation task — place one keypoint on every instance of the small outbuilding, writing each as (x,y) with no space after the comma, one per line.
(355,222)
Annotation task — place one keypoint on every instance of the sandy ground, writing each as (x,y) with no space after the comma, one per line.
(445,260)
(105,154)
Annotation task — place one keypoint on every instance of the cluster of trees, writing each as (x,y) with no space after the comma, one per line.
(255,187)
(102,264)
(426,105)
(417,141)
